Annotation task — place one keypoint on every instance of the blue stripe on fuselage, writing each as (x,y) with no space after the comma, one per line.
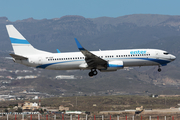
(161,62)
(18,41)
(46,65)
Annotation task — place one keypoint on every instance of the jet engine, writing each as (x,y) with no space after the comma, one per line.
(113,66)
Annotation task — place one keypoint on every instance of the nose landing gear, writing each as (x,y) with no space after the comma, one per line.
(93,72)
(159,69)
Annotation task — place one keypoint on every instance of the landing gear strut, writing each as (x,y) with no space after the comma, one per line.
(159,69)
(93,72)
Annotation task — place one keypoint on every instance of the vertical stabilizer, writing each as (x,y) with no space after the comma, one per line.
(20,45)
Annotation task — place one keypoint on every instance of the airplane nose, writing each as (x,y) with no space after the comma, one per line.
(173,57)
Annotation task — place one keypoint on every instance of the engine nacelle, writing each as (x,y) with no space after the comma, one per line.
(113,66)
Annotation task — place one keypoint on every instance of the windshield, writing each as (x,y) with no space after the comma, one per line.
(166,53)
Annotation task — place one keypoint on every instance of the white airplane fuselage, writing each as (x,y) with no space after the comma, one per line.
(73,60)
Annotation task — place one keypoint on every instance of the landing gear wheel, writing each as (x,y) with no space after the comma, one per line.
(159,69)
(93,72)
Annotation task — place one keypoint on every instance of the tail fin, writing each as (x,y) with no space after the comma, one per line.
(20,45)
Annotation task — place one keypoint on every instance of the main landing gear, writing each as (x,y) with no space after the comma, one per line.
(159,69)
(93,72)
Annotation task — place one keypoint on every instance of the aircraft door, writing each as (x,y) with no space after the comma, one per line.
(40,61)
(157,55)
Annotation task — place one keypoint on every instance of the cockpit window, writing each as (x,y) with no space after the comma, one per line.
(166,53)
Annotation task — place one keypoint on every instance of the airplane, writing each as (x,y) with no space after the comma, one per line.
(102,60)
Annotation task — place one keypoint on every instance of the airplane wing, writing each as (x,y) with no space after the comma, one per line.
(18,57)
(91,59)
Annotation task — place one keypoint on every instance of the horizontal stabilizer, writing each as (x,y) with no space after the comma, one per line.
(18,57)
(9,58)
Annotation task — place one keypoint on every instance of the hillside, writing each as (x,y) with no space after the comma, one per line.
(131,31)
(126,31)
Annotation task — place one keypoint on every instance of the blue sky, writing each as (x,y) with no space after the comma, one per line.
(40,9)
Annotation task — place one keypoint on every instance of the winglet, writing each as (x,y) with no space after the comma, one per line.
(58,51)
(79,45)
